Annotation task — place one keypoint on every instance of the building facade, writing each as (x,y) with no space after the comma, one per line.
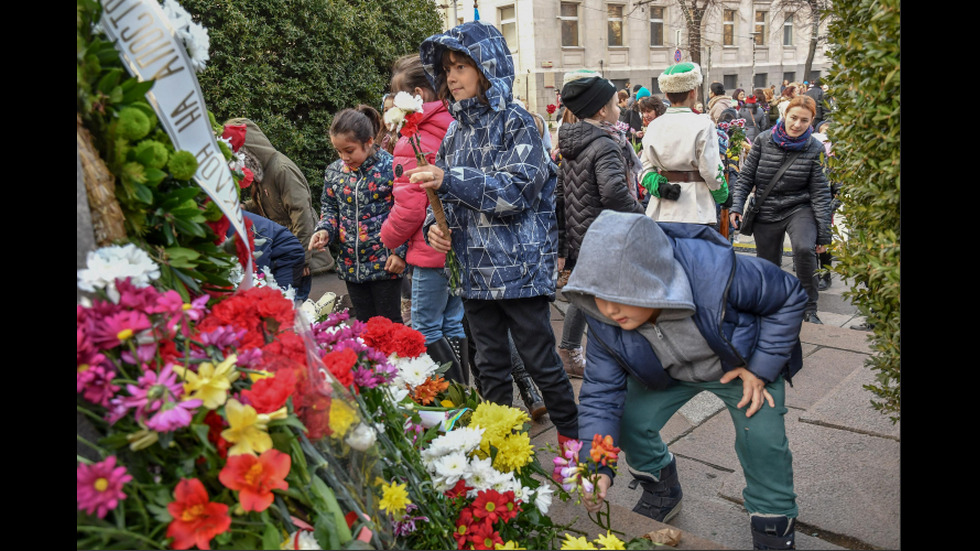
(744,43)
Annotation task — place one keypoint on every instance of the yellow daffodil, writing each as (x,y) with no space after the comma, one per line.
(513,452)
(342,417)
(511,544)
(211,383)
(610,541)
(394,498)
(247,429)
(576,543)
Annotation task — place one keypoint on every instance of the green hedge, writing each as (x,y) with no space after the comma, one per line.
(865,81)
(289,65)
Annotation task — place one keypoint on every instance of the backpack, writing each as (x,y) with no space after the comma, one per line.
(774,112)
(728,114)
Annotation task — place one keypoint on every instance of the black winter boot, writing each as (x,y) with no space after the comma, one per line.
(773,531)
(460,348)
(529,393)
(442,352)
(661,499)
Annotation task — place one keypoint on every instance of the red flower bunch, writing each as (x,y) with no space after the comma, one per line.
(262,311)
(475,525)
(389,338)
(196,519)
(270,393)
(341,365)
(551,108)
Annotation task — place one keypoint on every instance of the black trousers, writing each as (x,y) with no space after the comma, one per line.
(376,298)
(802,229)
(529,322)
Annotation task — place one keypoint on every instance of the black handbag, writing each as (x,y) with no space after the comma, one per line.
(753,206)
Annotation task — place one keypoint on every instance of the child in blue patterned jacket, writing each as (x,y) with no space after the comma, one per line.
(497,186)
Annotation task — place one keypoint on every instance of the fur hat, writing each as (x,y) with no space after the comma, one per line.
(680,78)
(586,96)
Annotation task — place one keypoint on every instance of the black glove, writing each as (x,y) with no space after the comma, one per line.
(670,191)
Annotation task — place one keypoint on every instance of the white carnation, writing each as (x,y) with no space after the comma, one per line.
(361,438)
(407,102)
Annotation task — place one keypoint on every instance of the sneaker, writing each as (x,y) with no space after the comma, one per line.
(661,499)
(811,317)
(572,361)
(772,531)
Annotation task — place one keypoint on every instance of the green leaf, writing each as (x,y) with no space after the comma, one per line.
(271,538)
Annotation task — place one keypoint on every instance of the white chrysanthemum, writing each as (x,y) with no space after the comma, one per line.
(415,371)
(361,438)
(178,16)
(449,468)
(463,439)
(408,102)
(197,42)
(505,482)
(105,265)
(542,498)
(482,475)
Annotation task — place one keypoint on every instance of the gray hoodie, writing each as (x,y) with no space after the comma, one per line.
(627,258)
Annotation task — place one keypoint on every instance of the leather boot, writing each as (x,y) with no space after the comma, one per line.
(772,531)
(529,393)
(461,350)
(442,352)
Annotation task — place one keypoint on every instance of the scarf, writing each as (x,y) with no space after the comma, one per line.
(784,141)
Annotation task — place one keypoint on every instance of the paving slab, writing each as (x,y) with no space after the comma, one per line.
(847,484)
(835,337)
(848,407)
(823,370)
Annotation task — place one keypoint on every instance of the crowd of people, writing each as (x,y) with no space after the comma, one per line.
(629,210)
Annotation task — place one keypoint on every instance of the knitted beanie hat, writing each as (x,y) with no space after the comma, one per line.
(586,96)
(642,93)
(680,78)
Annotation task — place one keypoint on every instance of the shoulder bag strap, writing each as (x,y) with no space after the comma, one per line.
(760,197)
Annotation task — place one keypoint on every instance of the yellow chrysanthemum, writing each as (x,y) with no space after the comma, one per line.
(211,383)
(498,422)
(511,544)
(610,541)
(394,498)
(247,429)
(576,543)
(342,417)
(513,452)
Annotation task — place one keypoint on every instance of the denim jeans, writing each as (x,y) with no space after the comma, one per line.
(436,313)
(760,441)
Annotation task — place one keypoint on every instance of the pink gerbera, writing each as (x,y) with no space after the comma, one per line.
(118,328)
(99,486)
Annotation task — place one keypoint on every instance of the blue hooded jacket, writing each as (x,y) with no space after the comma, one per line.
(498,191)
(747,310)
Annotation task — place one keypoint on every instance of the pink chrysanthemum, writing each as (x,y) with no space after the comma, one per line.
(99,486)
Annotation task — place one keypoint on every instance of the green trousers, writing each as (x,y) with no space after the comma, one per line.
(760,440)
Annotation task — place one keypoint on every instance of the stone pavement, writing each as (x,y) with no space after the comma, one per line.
(846,456)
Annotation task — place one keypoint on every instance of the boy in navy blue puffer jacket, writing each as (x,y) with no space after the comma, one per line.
(673,311)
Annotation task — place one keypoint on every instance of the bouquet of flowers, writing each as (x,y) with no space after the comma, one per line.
(403,117)
(736,134)
(207,426)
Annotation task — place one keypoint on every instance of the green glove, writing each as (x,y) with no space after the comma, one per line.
(652,182)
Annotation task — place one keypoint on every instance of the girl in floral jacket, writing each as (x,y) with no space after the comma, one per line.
(357,198)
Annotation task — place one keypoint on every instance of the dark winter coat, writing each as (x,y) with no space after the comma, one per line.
(746,310)
(803,185)
(756,120)
(592,177)
(354,205)
(498,190)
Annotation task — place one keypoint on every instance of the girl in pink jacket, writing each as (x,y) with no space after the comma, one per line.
(436,313)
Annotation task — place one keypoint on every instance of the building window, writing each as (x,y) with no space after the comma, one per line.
(507,17)
(728,28)
(655,86)
(569,24)
(615,25)
(760,80)
(789,77)
(760,28)
(788,32)
(729,81)
(656,26)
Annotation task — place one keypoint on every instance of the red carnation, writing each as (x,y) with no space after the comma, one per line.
(236,134)
(341,364)
(270,393)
